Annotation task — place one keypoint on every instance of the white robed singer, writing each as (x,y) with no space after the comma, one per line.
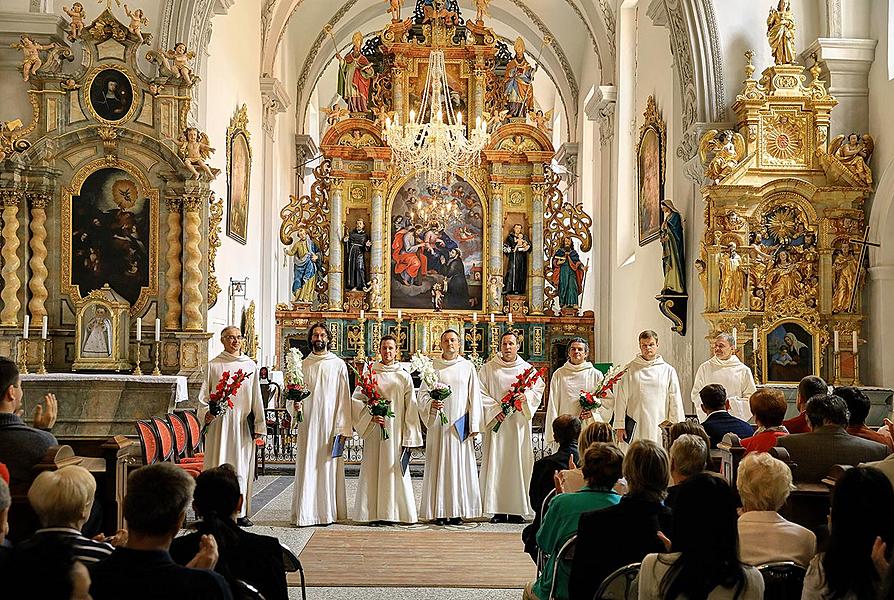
(726,369)
(565,386)
(319,490)
(384,492)
(648,393)
(507,455)
(450,488)
(228,438)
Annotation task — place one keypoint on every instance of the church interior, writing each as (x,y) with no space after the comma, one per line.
(565,170)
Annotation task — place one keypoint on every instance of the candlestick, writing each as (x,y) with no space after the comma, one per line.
(23,356)
(398,334)
(474,338)
(379,314)
(42,369)
(835,341)
(157,330)
(754,340)
(25,328)
(494,338)
(361,348)
(43,328)
(362,314)
(137,370)
(156,370)
(139,329)
(510,318)
(854,342)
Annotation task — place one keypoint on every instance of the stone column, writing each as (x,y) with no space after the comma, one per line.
(377,231)
(495,252)
(397,92)
(336,231)
(192,264)
(37,282)
(175,269)
(480,84)
(537,276)
(11,284)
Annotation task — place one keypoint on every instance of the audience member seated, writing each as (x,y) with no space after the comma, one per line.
(764,484)
(62,500)
(768,407)
(21,446)
(610,538)
(566,429)
(858,405)
(862,527)
(808,387)
(48,570)
(572,479)
(155,507)
(704,556)
(719,421)
(691,427)
(688,457)
(254,559)
(602,468)
(828,443)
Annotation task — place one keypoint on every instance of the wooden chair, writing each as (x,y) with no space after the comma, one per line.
(731,453)
(782,580)
(541,557)
(194,431)
(292,565)
(619,585)
(148,442)
(157,444)
(244,591)
(181,441)
(566,552)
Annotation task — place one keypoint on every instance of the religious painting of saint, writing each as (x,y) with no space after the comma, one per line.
(238,181)
(650,174)
(111,95)
(437,238)
(789,353)
(110,235)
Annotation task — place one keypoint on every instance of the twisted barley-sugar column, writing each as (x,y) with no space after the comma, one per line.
(192,260)
(11,262)
(538,282)
(172,296)
(495,258)
(37,282)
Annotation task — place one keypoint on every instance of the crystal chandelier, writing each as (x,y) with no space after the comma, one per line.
(435,143)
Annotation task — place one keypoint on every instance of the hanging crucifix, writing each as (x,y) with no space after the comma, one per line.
(864,247)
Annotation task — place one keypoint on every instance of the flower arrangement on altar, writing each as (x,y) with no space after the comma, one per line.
(523,381)
(376,404)
(593,400)
(296,389)
(437,390)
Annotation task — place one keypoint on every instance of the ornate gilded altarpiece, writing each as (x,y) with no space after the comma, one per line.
(784,219)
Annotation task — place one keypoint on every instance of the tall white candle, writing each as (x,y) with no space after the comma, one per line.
(139,329)
(362,314)
(43,329)
(474,317)
(491,318)
(835,341)
(754,340)
(510,318)
(25,328)
(854,342)
(157,330)
(400,315)
(735,336)
(379,314)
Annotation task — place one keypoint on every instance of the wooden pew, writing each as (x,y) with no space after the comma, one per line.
(731,453)
(808,504)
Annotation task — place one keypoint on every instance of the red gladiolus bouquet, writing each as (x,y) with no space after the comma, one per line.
(376,404)
(220,400)
(524,381)
(592,400)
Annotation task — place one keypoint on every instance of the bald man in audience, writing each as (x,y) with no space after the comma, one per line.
(809,387)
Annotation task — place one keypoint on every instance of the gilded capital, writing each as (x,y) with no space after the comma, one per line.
(174,204)
(38,200)
(192,203)
(538,189)
(10,197)
(497,187)
(378,185)
(336,184)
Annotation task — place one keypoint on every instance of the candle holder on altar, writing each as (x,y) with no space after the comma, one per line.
(474,339)
(42,369)
(361,346)
(399,335)
(494,338)
(137,371)
(377,334)
(157,370)
(23,357)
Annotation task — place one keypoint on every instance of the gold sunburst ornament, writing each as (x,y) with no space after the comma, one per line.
(783,225)
(783,138)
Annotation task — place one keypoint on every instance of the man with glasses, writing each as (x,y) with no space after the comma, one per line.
(231,433)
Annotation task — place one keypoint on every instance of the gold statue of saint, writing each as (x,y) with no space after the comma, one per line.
(845,270)
(784,280)
(781,33)
(731,281)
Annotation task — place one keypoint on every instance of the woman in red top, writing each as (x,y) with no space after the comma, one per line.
(768,408)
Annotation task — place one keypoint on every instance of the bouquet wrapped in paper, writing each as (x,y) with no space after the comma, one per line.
(376,404)
(592,400)
(296,390)
(523,381)
(437,390)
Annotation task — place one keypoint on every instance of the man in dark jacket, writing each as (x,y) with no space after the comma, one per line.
(719,422)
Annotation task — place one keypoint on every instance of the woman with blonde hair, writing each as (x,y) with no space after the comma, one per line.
(572,479)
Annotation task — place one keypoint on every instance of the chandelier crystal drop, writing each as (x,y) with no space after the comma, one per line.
(434,143)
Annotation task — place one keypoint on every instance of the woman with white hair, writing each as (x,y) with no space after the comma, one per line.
(726,369)
(764,484)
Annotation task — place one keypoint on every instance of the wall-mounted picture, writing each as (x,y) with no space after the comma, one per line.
(111,94)
(650,173)
(238,176)
(790,351)
(437,242)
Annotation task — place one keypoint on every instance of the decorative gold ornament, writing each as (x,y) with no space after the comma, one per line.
(728,149)
(215,216)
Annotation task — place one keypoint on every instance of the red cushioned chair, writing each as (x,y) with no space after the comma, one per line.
(148,442)
(166,452)
(194,431)
(181,441)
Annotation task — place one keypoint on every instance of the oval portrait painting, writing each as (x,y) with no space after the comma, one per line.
(111,95)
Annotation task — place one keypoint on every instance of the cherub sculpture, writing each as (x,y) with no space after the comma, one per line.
(335,114)
(495,119)
(77,20)
(495,289)
(728,148)
(382,115)
(374,289)
(481,11)
(195,149)
(542,121)
(138,21)
(394,10)
(31,55)
(854,153)
(180,58)
(437,297)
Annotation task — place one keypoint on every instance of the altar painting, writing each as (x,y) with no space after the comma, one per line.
(437,246)
(790,353)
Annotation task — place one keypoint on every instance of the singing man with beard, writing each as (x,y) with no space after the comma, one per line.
(726,369)
(230,436)
(648,395)
(319,491)
(565,386)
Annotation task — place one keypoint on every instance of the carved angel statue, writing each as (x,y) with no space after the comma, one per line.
(495,289)
(335,114)
(180,58)
(31,55)
(781,33)
(77,20)
(854,153)
(137,22)
(481,11)
(382,115)
(728,148)
(542,121)
(394,10)
(374,289)
(194,149)
(495,119)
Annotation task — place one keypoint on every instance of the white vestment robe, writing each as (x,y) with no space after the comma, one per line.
(384,493)
(319,491)
(450,482)
(228,438)
(507,455)
(649,393)
(565,386)
(736,379)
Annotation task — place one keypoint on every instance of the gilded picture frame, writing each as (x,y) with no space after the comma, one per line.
(238,175)
(110,94)
(650,162)
(790,348)
(102,329)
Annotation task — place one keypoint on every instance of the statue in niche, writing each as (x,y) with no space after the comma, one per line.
(304,268)
(568,274)
(728,148)
(180,66)
(31,55)
(781,33)
(854,154)
(194,149)
(78,16)
(358,243)
(355,74)
(98,335)
(784,280)
(673,256)
(516,247)
(758,263)
(518,83)
(732,284)
(137,22)
(844,268)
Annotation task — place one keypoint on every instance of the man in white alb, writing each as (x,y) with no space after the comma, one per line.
(450,489)
(726,369)
(567,383)
(507,454)
(648,395)
(230,437)
(319,491)
(384,490)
